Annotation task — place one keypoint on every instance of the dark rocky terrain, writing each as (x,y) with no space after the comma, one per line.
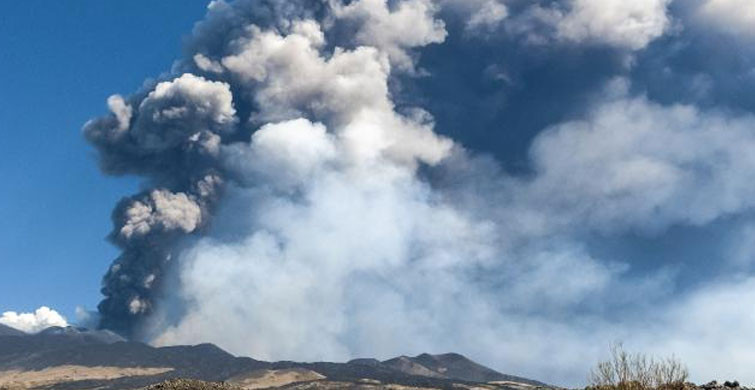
(182,384)
(8,331)
(75,358)
(191,384)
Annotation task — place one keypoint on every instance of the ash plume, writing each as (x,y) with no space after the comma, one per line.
(184,133)
(301,202)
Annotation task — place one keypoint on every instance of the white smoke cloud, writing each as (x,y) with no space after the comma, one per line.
(39,320)
(86,318)
(276,63)
(354,240)
(411,24)
(360,257)
(710,322)
(121,110)
(629,25)
(287,154)
(634,164)
(349,89)
(188,103)
(481,16)
(161,208)
(207,64)
(489,13)
(630,166)
(733,16)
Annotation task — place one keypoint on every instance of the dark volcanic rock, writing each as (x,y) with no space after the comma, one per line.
(188,384)
(365,362)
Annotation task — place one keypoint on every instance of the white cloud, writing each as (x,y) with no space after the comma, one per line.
(733,16)
(348,90)
(482,15)
(710,322)
(162,208)
(211,99)
(632,24)
(623,24)
(39,320)
(207,64)
(635,164)
(287,153)
(177,109)
(394,31)
(276,63)
(121,110)
(363,255)
(489,14)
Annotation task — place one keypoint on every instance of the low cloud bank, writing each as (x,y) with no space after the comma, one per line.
(39,320)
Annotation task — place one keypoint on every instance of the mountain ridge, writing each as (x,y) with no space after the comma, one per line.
(85,349)
(8,331)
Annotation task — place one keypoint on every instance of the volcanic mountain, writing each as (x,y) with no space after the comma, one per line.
(8,331)
(77,358)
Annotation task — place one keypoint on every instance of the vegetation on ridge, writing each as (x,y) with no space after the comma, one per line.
(636,371)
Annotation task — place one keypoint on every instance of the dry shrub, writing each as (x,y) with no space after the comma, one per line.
(636,371)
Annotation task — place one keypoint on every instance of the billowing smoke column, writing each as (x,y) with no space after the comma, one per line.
(299,205)
(255,63)
(172,136)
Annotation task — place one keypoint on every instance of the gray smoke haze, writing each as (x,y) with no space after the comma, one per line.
(294,209)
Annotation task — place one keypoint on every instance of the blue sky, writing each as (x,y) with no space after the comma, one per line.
(59,63)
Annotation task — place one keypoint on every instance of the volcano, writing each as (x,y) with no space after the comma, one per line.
(78,358)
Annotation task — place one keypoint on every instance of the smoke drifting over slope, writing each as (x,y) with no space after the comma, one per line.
(300,203)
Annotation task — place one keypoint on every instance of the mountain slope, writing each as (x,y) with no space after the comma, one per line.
(81,359)
(409,366)
(8,331)
(453,365)
(104,336)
